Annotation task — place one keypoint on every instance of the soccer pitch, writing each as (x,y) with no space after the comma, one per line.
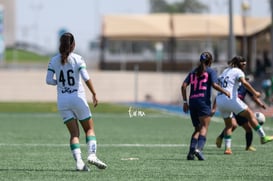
(34,146)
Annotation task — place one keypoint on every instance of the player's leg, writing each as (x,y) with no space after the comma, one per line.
(249,115)
(248,137)
(228,133)
(88,126)
(194,136)
(220,138)
(83,113)
(204,122)
(248,132)
(193,143)
(226,108)
(73,128)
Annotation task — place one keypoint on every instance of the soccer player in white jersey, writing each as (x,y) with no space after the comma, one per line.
(66,70)
(231,78)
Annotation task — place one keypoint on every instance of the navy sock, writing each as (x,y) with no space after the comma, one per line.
(249,137)
(222,135)
(201,142)
(193,144)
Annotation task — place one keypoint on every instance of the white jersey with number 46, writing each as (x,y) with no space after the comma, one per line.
(68,75)
(229,80)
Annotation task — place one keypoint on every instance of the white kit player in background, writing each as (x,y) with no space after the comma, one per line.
(231,78)
(68,69)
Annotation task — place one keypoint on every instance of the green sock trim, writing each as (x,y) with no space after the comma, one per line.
(88,138)
(67,120)
(86,119)
(257,127)
(74,146)
(227,137)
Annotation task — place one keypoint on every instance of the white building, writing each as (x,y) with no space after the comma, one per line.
(9,21)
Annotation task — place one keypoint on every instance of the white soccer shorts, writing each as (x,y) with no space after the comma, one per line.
(229,106)
(74,107)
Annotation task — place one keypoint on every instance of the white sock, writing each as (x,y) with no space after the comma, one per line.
(260,131)
(77,154)
(92,147)
(228,142)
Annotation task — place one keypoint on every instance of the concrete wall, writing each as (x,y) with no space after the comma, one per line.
(111,86)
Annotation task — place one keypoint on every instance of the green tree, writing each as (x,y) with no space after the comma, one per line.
(181,6)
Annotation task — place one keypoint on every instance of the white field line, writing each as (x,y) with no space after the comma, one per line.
(110,145)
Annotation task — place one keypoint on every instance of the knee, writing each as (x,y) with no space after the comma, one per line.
(74,139)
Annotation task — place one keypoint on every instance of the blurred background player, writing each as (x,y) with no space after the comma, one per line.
(230,79)
(68,69)
(241,121)
(201,79)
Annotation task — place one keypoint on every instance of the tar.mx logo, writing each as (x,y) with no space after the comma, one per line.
(135,112)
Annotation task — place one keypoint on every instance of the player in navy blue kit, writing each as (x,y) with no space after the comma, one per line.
(201,79)
(241,121)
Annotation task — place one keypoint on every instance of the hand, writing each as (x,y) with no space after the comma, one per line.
(263,106)
(212,112)
(95,101)
(185,107)
(227,94)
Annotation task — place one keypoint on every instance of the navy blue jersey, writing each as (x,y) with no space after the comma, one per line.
(242,92)
(201,86)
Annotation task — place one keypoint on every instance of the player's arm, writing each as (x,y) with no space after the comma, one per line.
(249,87)
(92,90)
(50,77)
(215,84)
(89,84)
(258,102)
(184,96)
(213,110)
(220,89)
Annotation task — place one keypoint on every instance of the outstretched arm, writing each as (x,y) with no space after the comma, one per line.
(258,102)
(249,87)
(220,89)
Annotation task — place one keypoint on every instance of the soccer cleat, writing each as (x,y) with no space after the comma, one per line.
(80,166)
(250,148)
(190,156)
(266,139)
(218,142)
(199,154)
(228,151)
(93,160)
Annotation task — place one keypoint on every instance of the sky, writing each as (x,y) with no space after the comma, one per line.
(39,21)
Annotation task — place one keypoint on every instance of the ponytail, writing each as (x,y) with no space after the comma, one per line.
(205,60)
(66,46)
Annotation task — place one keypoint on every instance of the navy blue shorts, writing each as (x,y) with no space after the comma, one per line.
(198,110)
(240,120)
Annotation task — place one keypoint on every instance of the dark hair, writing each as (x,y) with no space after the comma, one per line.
(235,61)
(205,60)
(66,46)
